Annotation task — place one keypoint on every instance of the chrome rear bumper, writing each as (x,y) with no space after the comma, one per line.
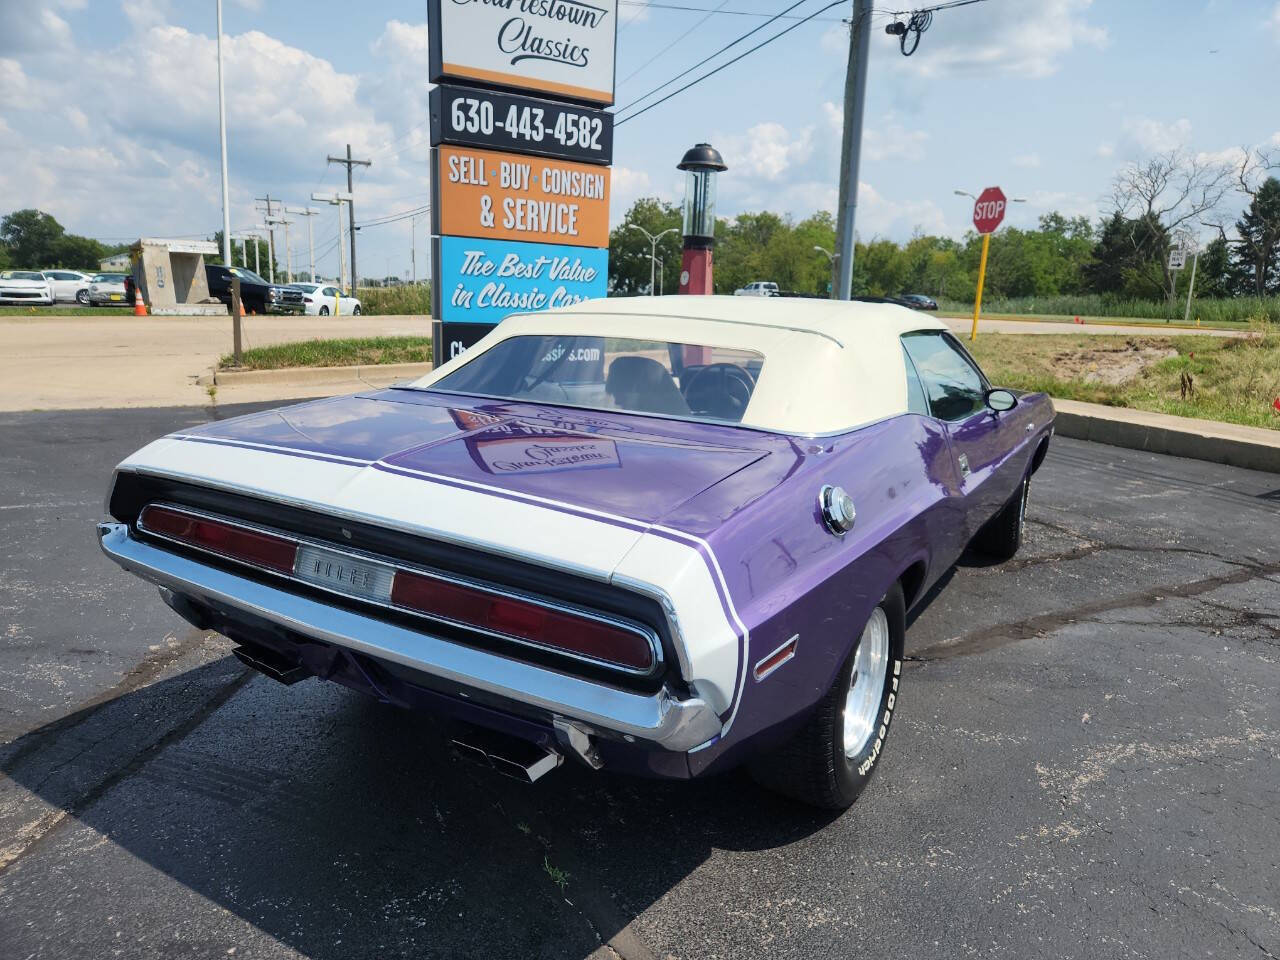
(659,718)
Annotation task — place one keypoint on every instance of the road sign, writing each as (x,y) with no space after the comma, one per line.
(472,117)
(988,210)
(505,196)
(482,281)
(1177,258)
(564,48)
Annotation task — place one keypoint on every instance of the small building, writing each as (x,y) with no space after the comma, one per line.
(116,263)
(169,274)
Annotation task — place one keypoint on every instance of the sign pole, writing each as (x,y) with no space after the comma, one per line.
(1186,317)
(982,276)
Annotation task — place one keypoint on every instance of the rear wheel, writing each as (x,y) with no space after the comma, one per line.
(1001,537)
(355,311)
(324,311)
(830,760)
(82,297)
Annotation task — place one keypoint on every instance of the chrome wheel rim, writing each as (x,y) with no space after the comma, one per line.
(866,686)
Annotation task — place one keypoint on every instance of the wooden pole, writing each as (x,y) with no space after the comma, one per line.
(982,276)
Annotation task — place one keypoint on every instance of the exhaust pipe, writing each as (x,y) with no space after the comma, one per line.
(274,665)
(509,756)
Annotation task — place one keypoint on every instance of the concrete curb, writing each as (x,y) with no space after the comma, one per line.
(1253,448)
(291,376)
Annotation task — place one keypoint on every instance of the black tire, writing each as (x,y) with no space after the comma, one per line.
(1001,537)
(82,297)
(812,766)
(355,311)
(324,311)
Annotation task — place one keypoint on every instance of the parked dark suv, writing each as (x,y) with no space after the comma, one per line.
(256,294)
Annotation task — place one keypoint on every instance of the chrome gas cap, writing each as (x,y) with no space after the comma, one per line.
(837,509)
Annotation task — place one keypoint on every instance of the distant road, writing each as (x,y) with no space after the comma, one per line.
(963,325)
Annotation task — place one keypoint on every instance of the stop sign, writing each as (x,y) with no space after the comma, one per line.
(988,210)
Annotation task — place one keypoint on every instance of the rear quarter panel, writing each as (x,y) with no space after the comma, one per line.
(790,576)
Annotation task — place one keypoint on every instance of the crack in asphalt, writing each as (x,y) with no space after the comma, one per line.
(999,635)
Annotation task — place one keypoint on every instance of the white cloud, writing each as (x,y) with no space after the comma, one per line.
(1155,136)
(1106,150)
(894,143)
(1273,24)
(1027,39)
(767,151)
(626,186)
(1027,160)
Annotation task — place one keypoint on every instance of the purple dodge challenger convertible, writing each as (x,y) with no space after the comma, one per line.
(657,535)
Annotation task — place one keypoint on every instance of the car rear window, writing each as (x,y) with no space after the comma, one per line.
(684,380)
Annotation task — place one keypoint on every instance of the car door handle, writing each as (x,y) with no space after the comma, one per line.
(963,460)
(1030,427)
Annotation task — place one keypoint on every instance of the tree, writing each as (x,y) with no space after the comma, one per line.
(260,264)
(1160,196)
(1257,251)
(1215,276)
(629,249)
(31,237)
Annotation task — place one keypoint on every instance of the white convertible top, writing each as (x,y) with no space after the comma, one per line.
(829,366)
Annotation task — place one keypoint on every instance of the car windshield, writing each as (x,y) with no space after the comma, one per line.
(684,380)
(21,275)
(249,275)
(305,287)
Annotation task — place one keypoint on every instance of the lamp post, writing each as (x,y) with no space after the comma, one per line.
(700,163)
(831,257)
(662,267)
(653,248)
(222,140)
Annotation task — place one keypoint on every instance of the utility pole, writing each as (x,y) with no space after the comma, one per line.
(337,199)
(351,207)
(222,136)
(308,212)
(288,260)
(271,234)
(855,95)
(271,250)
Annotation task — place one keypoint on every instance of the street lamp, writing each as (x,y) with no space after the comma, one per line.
(831,257)
(222,138)
(653,248)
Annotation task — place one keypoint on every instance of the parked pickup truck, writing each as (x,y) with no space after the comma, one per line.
(760,288)
(256,294)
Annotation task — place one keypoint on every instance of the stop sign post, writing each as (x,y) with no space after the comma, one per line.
(988,212)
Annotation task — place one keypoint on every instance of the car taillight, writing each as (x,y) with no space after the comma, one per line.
(523,620)
(307,300)
(236,543)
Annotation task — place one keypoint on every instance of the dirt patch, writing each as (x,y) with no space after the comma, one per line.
(1112,362)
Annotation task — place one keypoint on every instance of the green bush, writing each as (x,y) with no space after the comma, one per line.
(405,300)
(1233,310)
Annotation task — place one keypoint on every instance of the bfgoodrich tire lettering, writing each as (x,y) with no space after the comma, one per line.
(816,765)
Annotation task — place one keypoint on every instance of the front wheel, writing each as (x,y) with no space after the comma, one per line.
(1001,537)
(355,311)
(82,297)
(829,762)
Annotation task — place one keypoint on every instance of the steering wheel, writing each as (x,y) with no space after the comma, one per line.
(720,390)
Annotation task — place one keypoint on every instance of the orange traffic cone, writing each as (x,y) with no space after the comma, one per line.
(139,305)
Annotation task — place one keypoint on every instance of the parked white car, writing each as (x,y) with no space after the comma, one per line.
(323,299)
(69,285)
(760,288)
(25,286)
(107,289)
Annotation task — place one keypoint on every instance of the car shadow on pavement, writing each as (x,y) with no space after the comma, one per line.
(342,827)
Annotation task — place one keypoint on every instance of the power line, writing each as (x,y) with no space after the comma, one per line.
(721,12)
(709,15)
(729,63)
(727,46)
(394,217)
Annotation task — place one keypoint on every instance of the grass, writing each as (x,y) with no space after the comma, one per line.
(63,310)
(396,301)
(1231,380)
(365,351)
(1213,311)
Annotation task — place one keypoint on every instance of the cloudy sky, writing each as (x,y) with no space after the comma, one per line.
(108,108)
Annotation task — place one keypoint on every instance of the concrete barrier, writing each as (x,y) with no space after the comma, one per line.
(1254,448)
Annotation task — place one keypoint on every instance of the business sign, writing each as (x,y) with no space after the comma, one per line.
(449,340)
(564,48)
(482,281)
(506,196)
(473,117)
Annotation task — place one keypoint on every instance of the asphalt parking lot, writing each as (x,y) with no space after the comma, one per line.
(1085,763)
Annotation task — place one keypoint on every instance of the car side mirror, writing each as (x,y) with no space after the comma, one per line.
(1000,400)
